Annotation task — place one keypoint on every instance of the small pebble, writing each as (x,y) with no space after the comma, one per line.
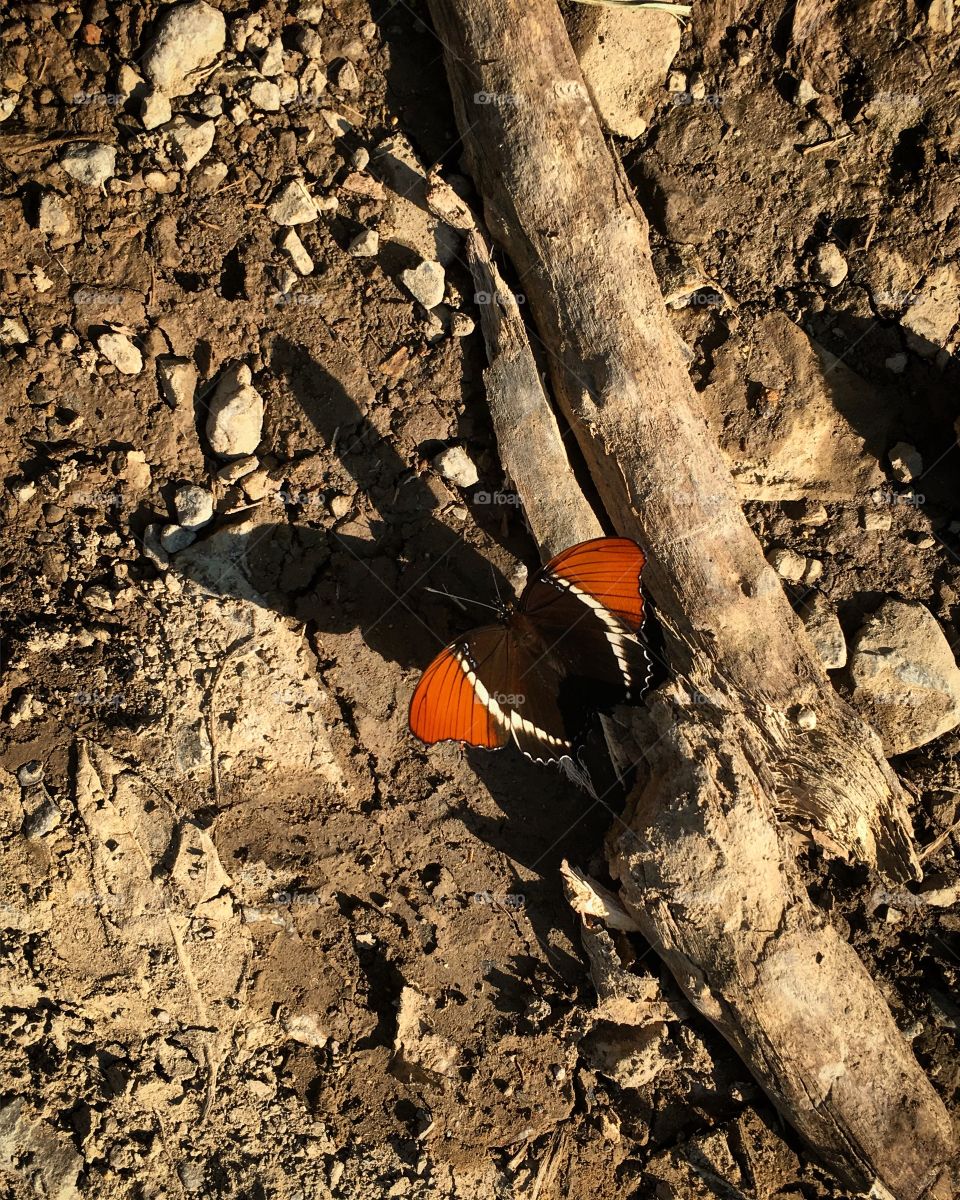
(178,380)
(360,159)
(829,265)
(897,363)
(461,325)
(812,571)
(232,471)
(117,348)
(89,163)
(190,140)
(55,214)
(425,283)
(155,110)
(457,467)
(346,77)
(292,204)
(365,244)
(787,563)
(905,462)
(875,519)
(265,95)
(152,548)
(194,507)
(235,419)
(806,718)
(290,241)
(12,333)
(174,538)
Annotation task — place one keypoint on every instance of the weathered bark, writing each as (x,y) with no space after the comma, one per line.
(531,446)
(702,869)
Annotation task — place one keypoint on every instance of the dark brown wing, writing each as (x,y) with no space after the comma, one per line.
(586,606)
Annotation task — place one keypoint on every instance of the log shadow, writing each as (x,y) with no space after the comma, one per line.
(341,575)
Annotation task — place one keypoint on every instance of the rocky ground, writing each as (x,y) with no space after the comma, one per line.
(257,941)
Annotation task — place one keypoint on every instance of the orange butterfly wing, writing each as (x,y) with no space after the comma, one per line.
(608,569)
(449,701)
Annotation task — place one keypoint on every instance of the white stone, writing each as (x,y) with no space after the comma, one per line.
(128,80)
(457,467)
(194,506)
(12,333)
(265,95)
(290,241)
(829,265)
(89,163)
(932,316)
(292,204)
(55,214)
(461,325)
(118,349)
(625,55)
(425,283)
(190,140)
(905,462)
(155,110)
(906,680)
(365,245)
(787,563)
(347,80)
(824,630)
(271,64)
(310,44)
(174,538)
(189,37)
(235,420)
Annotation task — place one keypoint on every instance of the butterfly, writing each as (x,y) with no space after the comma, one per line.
(567,649)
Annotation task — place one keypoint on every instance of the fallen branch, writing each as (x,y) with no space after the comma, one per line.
(751,723)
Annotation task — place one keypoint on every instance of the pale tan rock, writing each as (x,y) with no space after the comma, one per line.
(906,680)
(625,56)
(793,421)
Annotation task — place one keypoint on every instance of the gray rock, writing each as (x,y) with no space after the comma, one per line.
(30,773)
(365,245)
(155,110)
(189,140)
(787,563)
(89,163)
(55,214)
(235,420)
(174,538)
(905,678)
(457,467)
(119,350)
(829,265)
(292,204)
(823,629)
(194,506)
(152,548)
(425,283)
(178,380)
(189,37)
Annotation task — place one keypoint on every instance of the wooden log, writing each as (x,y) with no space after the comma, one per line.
(702,869)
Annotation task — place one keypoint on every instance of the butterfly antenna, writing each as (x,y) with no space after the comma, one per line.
(461,600)
(496,587)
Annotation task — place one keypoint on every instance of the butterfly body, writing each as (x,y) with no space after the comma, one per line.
(566,650)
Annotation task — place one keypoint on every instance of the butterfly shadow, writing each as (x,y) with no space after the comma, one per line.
(367,571)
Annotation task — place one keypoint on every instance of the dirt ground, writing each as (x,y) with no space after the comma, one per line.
(257,940)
